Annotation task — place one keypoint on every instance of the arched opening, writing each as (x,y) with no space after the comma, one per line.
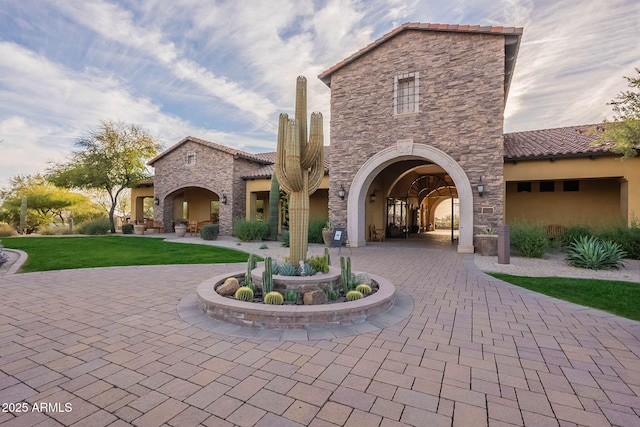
(403,177)
(197,204)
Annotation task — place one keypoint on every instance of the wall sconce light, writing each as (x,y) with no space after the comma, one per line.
(372,197)
(156,201)
(341,192)
(481,187)
(223,199)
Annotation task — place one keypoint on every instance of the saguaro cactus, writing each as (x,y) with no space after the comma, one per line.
(299,168)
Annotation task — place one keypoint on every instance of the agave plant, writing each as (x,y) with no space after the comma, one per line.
(589,252)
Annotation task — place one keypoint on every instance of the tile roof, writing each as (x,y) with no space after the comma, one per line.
(267,170)
(572,141)
(238,153)
(512,44)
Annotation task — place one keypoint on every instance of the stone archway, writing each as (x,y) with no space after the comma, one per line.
(407,150)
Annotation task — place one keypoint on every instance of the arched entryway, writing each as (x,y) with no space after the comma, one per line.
(358,192)
(192,203)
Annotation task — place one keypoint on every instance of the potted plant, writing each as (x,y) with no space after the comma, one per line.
(180,228)
(487,242)
(327,233)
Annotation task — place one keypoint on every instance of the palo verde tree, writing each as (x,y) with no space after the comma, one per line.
(111,158)
(624,131)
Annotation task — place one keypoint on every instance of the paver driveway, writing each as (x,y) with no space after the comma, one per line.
(474,351)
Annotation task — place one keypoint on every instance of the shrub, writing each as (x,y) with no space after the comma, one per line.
(248,230)
(127,228)
(6,230)
(529,240)
(99,226)
(627,237)
(3,256)
(319,263)
(315,230)
(589,252)
(573,233)
(55,231)
(284,237)
(210,232)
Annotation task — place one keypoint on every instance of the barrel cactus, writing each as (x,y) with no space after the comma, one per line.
(244,293)
(354,295)
(364,289)
(274,298)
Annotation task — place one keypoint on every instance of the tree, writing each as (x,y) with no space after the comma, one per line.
(624,131)
(111,158)
(45,202)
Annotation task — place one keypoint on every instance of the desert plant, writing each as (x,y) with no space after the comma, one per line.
(274,201)
(345,275)
(6,230)
(267,276)
(274,298)
(299,167)
(327,255)
(573,233)
(284,238)
(97,227)
(315,230)
(307,270)
(286,269)
(250,229)
(595,254)
(628,237)
(127,228)
(291,295)
(244,293)
(354,295)
(529,240)
(332,294)
(364,289)
(210,232)
(319,263)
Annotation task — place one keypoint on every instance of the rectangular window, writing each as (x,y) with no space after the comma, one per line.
(547,186)
(191,157)
(406,93)
(573,185)
(524,187)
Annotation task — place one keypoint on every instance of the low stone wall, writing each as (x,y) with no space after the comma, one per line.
(293,316)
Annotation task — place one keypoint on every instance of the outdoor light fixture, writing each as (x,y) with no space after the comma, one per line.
(481,187)
(372,197)
(156,201)
(341,192)
(224,199)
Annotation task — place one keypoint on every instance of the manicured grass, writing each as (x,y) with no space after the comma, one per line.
(621,298)
(61,253)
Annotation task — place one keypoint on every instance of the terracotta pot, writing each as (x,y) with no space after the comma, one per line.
(326,236)
(138,229)
(487,244)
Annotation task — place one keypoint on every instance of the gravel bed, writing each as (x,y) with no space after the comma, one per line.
(554,265)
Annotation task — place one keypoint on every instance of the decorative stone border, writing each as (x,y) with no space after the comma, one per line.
(300,284)
(293,316)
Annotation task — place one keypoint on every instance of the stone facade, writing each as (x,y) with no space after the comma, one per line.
(216,170)
(461,108)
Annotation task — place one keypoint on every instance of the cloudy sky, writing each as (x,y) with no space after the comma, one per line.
(224,70)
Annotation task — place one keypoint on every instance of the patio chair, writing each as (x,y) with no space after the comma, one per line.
(377,234)
(192,227)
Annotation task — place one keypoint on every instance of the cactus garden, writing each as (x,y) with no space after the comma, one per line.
(348,286)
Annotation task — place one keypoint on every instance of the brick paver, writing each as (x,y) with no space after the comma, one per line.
(473,351)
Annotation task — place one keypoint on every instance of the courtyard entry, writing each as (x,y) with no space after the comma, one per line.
(194,206)
(398,191)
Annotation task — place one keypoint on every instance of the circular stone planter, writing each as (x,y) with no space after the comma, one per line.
(300,284)
(293,316)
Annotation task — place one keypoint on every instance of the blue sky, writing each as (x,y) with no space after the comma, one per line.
(224,70)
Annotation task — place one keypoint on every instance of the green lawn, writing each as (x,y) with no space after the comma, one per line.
(61,253)
(621,298)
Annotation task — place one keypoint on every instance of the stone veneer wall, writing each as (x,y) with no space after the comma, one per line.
(214,170)
(461,108)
